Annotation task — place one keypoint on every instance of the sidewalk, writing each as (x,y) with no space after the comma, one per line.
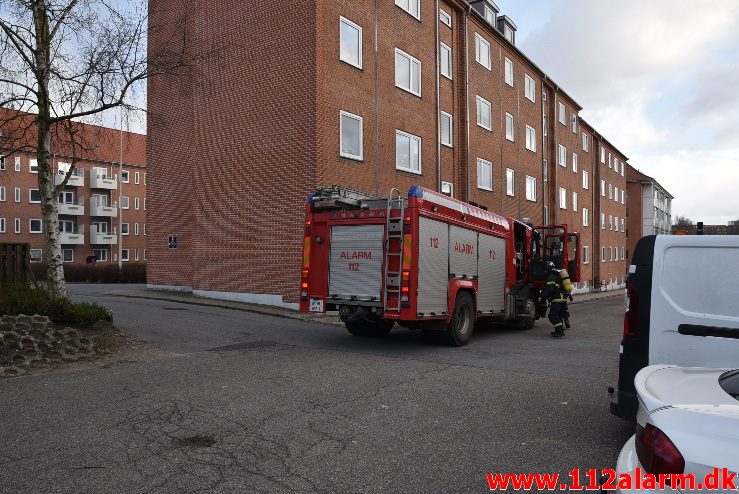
(269,310)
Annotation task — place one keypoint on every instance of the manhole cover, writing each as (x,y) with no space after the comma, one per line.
(195,442)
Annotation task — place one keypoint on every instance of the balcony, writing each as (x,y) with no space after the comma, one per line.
(103,238)
(76,179)
(101,208)
(74,237)
(73,208)
(101,181)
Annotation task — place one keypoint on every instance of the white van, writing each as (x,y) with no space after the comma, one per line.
(682,308)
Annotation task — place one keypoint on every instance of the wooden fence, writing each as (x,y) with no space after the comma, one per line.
(15,264)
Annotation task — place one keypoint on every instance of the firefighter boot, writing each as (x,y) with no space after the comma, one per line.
(566,319)
(558,331)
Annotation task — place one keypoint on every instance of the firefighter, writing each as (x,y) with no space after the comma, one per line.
(567,285)
(554,292)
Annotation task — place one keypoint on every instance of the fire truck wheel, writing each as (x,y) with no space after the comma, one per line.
(529,319)
(460,328)
(376,329)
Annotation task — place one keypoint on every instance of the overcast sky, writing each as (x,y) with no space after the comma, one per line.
(658,78)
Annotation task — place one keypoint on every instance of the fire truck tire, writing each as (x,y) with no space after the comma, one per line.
(529,319)
(460,328)
(369,329)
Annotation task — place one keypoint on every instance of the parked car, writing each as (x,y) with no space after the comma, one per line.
(682,308)
(687,423)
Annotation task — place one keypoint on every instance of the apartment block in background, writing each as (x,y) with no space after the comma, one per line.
(103,205)
(649,209)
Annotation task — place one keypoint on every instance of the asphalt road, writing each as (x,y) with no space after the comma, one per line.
(238,402)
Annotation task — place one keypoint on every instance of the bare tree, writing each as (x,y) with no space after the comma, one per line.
(683,223)
(62,61)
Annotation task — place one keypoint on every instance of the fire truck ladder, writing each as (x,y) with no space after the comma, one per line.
(393,250)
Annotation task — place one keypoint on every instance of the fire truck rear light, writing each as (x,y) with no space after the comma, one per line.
(406,275)
(405,290)
(407,220)
(304,285)
(307,222)
(305,273)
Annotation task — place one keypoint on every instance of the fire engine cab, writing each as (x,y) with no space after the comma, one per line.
(427,262)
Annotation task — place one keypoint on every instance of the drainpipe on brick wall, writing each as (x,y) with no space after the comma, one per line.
(467,99)
(594,189)
(377,111)
(438,103)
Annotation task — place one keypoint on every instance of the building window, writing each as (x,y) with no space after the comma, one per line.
(623,253)
(146,230)
(446,61)
(17,194)
(447,188)
(482,51)
(602,254)
(545,171)
(137,178)
(484,174)
(585,253)
(35,226)
(34,196)
(602,221)
(2,162)
(68,255)
(446,129)
(124,202)
(350,136)
(585,179)
(562,155)
(610,191)
(407,152)
(66,226)
(544,123)
(585,142)
(562,114)
(603,188)
(509,127)
(615,226)
(124,176)
(574,162)
(529,87)
(350,42)
(100,254)
(530,188)
(622,168)
(413,7)
(144,203)
(124,228)
(510,186)
(530,138)
(17,166)
(445,18)
(407,72)
(489,15)
(17,225)
(136,203)
(623,197)
(124,255)
(602,155)
(610,160)
(36,255)
(585,217)
(622,225)
(508,72)
(610,222)
(615,194)
(144,178)
(573,121)
(2,225)
(144,254)
(562,198)
(2,193)
(136,254)
(484,111)
(33,166)
(574,201)
(610,253)
(546,214)
(66,197)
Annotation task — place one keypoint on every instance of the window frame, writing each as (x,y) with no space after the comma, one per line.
(3,193)
(103,258)
(562,113)
(17,225)
(562,155)
(574,162)
(585,142)
(530,138)
(574,201)
(33,165)
(586,254)
(17,194)
(63,255)
(586,180)
(562,198)
(510,182)
(417,3)
(530,186)
(445,18)
(508,75)
(3,225)
(411,138)
(349,23)
(127,174)
(479,100)
(128,202)
(137,178)
(480,39)
(30,196)
(510,131)
(342,154)
(35,259)
(484,162)
(445,49)
(125,256)
(451,188)
(585,217)
(411,61)
(529,87)
(40,223)
(450,118)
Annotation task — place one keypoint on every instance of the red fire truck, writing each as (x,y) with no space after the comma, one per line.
(425,262)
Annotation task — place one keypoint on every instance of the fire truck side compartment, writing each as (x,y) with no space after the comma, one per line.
(492,274)
(462,252)
(433,266)
(355,268)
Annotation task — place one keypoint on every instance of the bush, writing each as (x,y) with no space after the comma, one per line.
(34,298)
(100,273)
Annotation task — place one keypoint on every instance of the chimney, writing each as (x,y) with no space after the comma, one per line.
(508,28)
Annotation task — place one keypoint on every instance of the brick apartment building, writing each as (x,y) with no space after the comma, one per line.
(370,95)
(102,204)
(649,210)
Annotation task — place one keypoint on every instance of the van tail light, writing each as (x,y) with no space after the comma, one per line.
(632,312)
(656,452)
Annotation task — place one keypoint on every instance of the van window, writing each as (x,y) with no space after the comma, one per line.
(691,276)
